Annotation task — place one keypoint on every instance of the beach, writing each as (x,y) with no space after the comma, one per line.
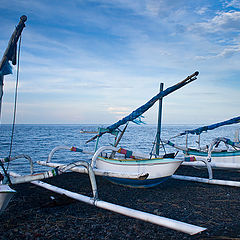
(36,213)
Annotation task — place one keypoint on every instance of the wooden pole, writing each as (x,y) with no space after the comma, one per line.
(11,48)
(147,217)
(10,52)
(159,126)
(1,94)
(138,112)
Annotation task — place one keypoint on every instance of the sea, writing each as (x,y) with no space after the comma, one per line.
(37,141)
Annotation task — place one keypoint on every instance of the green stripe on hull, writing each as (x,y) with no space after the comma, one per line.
(213,154)
(134,162)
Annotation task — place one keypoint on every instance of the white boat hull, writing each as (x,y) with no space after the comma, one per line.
(155,170)
(6,193)
(219,160)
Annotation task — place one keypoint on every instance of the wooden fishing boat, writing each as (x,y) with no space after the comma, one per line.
(153,170)
(226,157)
(154,167)
(211,156)
(6,194)
(222,159)
(85,131)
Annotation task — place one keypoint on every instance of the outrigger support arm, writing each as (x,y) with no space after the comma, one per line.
(138,112)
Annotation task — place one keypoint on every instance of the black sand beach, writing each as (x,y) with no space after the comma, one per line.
(36,213)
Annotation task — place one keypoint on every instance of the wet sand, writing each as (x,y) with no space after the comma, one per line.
(36,213)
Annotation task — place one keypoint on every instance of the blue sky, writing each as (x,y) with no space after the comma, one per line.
(91,62)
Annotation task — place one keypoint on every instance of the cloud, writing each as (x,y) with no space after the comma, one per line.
(228,52)
(233,3)
(119,110)
(223,21)
(225,53)
(202,10)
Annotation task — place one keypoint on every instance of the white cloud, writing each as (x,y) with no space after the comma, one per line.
(119,111)
(233,3)
(202,10)
(227,52)
(223,21)
(154,7)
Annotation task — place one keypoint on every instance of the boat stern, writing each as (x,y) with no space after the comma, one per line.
(6,193)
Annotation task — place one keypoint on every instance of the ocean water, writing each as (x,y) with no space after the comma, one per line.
(38,140)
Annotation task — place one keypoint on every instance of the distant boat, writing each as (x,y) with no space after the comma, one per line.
(84,131)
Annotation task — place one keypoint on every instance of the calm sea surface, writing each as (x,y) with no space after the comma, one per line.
(38,140)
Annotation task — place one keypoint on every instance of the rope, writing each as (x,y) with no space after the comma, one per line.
(155,143)
(15,102)
(151,153)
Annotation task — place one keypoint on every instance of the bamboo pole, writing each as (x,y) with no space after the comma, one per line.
(10,52)
(147,217)
(159,122)
(1,94)
(220,165)
(118,140)
(206,180)
(139,111)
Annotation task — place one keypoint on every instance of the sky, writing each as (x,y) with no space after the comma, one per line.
(94,62)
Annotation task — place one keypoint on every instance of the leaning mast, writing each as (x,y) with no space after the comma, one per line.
(10,55)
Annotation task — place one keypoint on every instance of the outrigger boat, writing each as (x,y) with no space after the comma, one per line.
(211,156)
(133,167)
(227,157)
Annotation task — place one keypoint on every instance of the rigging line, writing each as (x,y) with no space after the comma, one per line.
(151,153)
(163,146)
(15,102)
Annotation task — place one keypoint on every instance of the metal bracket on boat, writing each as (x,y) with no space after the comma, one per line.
(56,149)
(73,149)
(16,178)
(210,180)
(99,151)
(209,168)
(216,141)
(116,149)
(90,174)
(206,162)
(5,160)
(6,179)
(74,165)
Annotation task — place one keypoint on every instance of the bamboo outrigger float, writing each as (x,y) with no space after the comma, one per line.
(6,193)
(9,178)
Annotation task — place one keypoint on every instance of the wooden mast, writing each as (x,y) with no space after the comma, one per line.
(10,53)
(159,126)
